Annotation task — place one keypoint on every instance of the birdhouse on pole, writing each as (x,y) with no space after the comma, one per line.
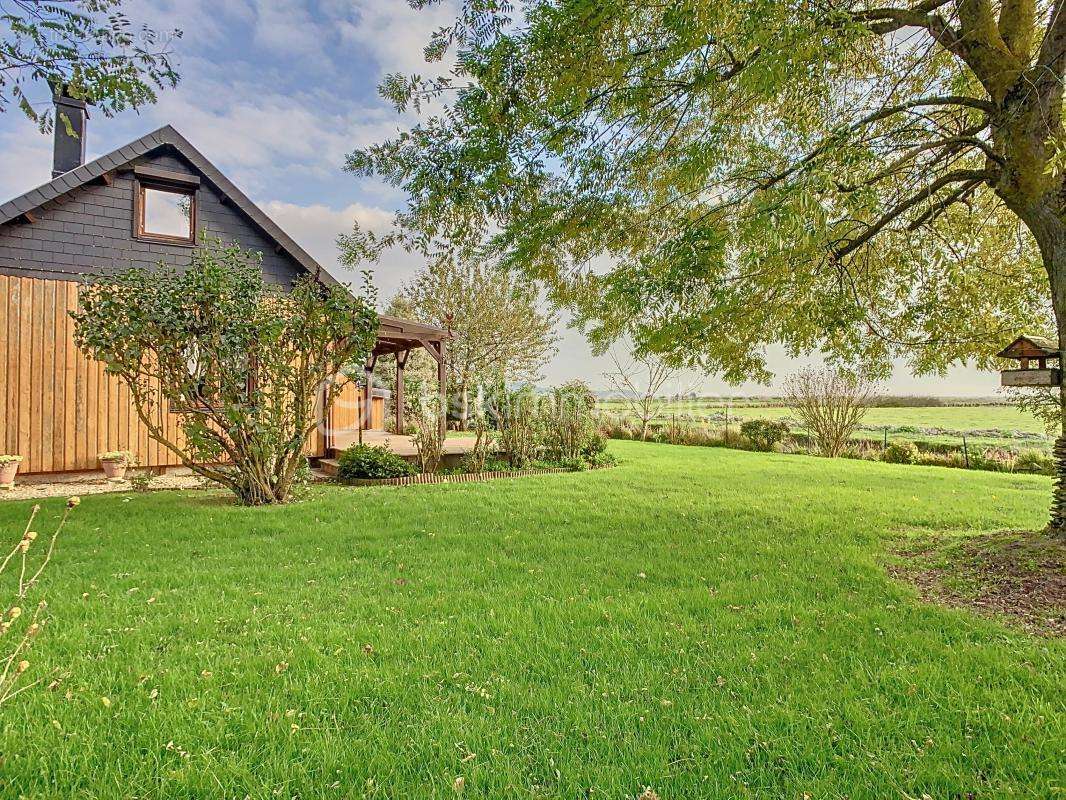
(1039,362)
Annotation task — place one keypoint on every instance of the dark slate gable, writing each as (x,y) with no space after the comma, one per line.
(84,226)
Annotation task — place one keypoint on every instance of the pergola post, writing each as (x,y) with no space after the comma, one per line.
(366,417)
(442,384)
(401,362)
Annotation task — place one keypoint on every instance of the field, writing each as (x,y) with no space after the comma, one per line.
(958,419)
(709,623)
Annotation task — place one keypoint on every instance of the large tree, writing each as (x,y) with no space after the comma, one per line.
(90,47)
(865,179)
(499,327)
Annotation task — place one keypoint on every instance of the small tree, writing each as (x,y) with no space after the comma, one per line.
(830,403)
(498,325)
(639,385)
(243,365)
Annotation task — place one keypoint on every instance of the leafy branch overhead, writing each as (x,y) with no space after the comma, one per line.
(87,46)
(711,178)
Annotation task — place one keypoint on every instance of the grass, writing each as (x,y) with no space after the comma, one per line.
(959,418)
(1005,419)
(710,623)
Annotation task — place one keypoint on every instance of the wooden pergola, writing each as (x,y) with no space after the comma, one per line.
(399,337)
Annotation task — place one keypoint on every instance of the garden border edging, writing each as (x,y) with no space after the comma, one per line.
(466,477)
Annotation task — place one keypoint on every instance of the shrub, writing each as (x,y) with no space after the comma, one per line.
(993,460)
(474,461)
(366,461)
(764,434)
(568,421)
(938,459)
(1034,461)
(901,452)
(521,426)
(240,366)
(428,436)
(595,446)
(830,404)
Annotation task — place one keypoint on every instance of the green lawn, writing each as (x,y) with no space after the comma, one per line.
(707,622)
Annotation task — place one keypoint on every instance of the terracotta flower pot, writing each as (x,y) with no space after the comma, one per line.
(8,470)
(114,470)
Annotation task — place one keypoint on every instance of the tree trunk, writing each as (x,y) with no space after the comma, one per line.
(1048,226)
(464,408)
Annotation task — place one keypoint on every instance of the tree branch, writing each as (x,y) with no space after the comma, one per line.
(957,176)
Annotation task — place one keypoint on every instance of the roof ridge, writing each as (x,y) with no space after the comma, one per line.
(162,136)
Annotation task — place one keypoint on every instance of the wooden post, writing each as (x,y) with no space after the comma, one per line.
(442,383)
(366,412)
(965,452)
(401,363)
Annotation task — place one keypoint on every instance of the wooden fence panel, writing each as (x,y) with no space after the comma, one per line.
(59,409)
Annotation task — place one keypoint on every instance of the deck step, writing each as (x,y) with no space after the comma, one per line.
(330,466)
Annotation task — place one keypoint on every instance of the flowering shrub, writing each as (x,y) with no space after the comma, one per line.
(17,628)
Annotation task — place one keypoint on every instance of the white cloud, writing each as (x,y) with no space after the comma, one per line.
(26,162)
(258,136)
(316,228)
(392,32)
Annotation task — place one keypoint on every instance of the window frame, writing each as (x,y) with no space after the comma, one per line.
(139,207)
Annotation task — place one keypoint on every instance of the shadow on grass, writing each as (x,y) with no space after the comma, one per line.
(1019,576)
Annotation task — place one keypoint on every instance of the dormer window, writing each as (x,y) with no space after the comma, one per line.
(165,207)
(167,214)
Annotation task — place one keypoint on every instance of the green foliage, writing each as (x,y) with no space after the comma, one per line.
(569,424)
(1035,462)
(520,424)
(87,46)
(900,452)
(484,440)
(366,461)
(240,363)
(764,434)
(751,172)
(1044,403)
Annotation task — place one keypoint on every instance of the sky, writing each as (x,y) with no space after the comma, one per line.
(276,92)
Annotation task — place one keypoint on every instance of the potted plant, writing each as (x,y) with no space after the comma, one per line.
(115,463)
(9,466)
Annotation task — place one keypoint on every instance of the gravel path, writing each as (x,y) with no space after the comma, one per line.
(68,488)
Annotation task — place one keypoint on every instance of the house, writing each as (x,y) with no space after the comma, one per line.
(143,204)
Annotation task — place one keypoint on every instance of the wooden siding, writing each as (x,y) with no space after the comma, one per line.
(59,409)
(345,414)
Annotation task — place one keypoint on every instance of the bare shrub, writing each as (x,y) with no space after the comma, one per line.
(428,437)
(474,461)
(18,629)
(640,385)
(831,404)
